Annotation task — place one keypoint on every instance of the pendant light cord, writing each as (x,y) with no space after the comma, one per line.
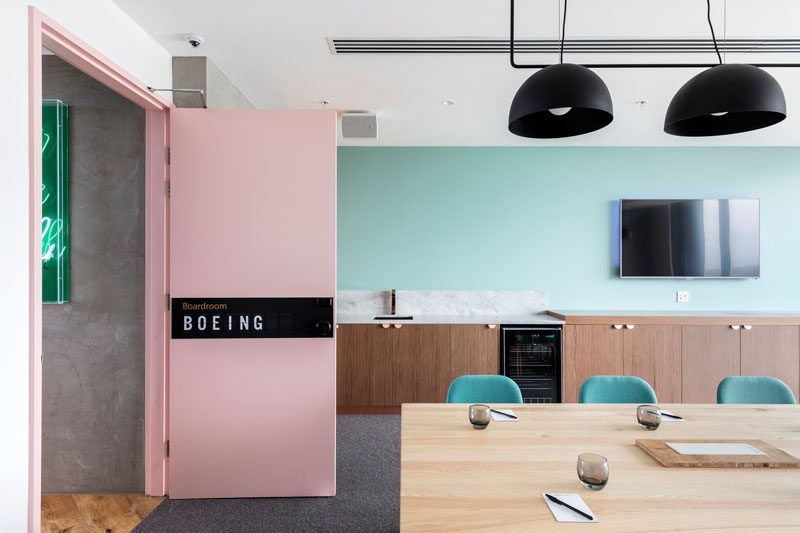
(563,30)
(710,25)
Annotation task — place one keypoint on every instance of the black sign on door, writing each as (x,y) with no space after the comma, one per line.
(251,318)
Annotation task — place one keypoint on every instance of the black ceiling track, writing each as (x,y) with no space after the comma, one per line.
(562,43)
(551,46)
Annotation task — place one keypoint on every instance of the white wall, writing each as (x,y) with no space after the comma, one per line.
(107,28)
(14,266)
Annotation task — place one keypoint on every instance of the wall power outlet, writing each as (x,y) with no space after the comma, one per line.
(683,297)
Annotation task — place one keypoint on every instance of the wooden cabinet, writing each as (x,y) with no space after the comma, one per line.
(589,350)
(772,351)
(712,353)
(684,360)
(379,366)
(420,350)
(708,354)
(366,369)
(683,357)
(473,349)
(653,353)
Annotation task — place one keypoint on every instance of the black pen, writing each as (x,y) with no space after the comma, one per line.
(671,415)
(568,506)
(502,413)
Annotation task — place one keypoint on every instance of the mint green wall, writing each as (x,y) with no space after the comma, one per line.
(545,219)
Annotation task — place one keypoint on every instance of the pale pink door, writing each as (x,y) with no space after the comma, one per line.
(253,214)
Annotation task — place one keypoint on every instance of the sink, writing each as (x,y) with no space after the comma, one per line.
(393,317)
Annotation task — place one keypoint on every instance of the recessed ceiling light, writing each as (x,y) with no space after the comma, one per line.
(448,103)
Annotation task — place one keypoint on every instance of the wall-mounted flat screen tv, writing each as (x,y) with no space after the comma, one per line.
(696,238)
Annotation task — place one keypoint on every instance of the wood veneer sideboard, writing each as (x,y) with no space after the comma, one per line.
(683,357)
(379,368)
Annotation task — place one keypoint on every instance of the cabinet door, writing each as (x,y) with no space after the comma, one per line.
(653,353)
(419,350)
(589,350)
(366,370)
(708,355)
(473,349)
(772,351)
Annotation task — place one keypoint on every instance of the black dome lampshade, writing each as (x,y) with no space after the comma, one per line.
(726,99)
(560,100)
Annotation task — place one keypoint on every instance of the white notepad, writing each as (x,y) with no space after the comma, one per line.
(562,514)
(714,448)
(501,418)
(668,418)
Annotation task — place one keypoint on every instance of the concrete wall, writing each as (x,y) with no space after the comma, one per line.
(200,73)
(188,73)
(93,368)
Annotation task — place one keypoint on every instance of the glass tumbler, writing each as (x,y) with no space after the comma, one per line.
(593,470)
(649,416)
(480,415)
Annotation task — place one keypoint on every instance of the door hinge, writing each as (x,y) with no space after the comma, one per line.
(169,156)
(169,188)
(167,448)
(168,302)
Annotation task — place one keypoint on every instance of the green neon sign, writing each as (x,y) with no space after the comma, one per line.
(55,202)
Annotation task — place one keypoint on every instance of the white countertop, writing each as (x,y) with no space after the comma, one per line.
(538,319)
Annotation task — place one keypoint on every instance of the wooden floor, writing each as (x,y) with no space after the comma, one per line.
(104,513)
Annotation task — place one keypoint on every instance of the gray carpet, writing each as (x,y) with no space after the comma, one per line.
(367,492)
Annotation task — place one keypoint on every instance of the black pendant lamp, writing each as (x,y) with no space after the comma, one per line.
(725,99)
(560,100)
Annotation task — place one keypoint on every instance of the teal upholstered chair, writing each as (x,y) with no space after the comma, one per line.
(616,389)
(483,389)
(753,389)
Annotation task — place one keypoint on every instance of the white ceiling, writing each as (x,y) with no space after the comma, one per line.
(276,52)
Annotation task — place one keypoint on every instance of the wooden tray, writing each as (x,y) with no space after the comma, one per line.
(775,458)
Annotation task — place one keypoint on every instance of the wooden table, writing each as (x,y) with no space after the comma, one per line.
(456,478)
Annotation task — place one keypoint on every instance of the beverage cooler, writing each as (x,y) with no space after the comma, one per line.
(531,356)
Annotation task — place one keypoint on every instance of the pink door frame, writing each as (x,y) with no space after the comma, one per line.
(45,32)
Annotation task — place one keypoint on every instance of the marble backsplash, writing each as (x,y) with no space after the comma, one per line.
(442,302)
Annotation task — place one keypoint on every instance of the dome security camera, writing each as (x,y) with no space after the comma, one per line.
(195,39)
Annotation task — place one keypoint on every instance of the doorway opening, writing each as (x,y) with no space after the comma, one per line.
(93,325)
(104,385)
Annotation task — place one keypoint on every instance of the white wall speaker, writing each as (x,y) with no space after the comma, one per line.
(359,126)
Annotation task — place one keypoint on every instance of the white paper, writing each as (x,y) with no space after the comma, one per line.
(562,514)
(714,448)
(502,418)
(669,418)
